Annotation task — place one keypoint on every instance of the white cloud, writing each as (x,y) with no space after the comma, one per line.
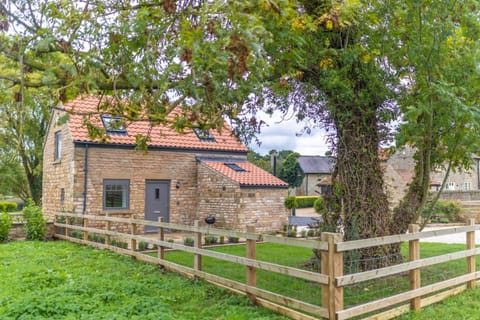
(284,135)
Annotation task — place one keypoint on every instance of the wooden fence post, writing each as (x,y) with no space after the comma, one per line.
(107,228)
(414,254)
(332,266)
(133,231)
(161,237)
(471,259)
(197,262)
(85,233)
(67,223)
(251,271)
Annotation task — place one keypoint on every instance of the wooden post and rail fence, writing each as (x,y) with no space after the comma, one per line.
(331,281)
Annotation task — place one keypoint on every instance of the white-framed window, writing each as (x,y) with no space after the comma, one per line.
(467,186)
(57,156)
(450,186)
(116,194)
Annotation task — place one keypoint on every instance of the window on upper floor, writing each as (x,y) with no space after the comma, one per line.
(116,194)
(57,156)
(113,125)
(467,186)
(450,186)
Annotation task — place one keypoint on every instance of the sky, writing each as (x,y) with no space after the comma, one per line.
(283,135)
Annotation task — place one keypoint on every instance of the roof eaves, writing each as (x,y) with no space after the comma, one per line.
(263,186)
(150,147)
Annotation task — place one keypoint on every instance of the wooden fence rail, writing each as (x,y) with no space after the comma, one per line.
(331,279)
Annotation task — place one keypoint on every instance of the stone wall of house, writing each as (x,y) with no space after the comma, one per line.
(218,196)
(264,208)
(137,166)
(461,195)
(309,184)
(57,174)
(235,207)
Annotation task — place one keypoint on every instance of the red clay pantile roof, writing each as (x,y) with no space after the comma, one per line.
(253,176)
(160,136)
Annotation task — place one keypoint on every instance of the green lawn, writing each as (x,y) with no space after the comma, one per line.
(465,306)
(61,280)
(306,291)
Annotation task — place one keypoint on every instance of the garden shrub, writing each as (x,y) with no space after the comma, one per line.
(443,209)
(35,225)
(291,202)
(76,234)
(142,246)
(96,238)
(291,233)
(306,201)
(188,241)
(210,240)
(5,226)
(8,206)
(119,244)
(233,239)
(318,205)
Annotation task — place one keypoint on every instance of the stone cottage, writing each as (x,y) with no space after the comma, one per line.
(318,171)
(182,177)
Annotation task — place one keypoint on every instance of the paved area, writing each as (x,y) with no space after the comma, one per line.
(451,238)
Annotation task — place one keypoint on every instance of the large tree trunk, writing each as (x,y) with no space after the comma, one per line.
(409,209)
(358,193)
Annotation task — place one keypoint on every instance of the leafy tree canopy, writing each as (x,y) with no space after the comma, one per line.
(350,66)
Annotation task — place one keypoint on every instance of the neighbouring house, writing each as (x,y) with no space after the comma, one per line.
(182,177)
(460,185)
(317,172)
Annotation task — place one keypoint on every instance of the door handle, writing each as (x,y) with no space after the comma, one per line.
(156,212)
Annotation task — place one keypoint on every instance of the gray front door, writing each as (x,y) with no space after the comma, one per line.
(157,202)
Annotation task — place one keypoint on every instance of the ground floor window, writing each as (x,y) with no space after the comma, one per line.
(116,194)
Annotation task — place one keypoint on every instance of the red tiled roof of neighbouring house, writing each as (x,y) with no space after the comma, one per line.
(247,174)
(87,107)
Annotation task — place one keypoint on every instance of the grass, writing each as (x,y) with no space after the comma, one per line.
(61,280)
(463,306)
(271,281)
(308,292)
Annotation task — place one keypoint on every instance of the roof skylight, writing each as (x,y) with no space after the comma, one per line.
(113,124)
(204,135)
(234,167)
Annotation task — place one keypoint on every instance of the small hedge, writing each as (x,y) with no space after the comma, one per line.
(306,201)
(444,212)
(318,205)
(300,201)
(7,206)
(5,226)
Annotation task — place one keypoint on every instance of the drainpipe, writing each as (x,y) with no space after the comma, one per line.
(85,179)
(478,174)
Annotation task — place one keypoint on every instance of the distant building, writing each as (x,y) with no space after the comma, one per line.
(318,174)
(399,172)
